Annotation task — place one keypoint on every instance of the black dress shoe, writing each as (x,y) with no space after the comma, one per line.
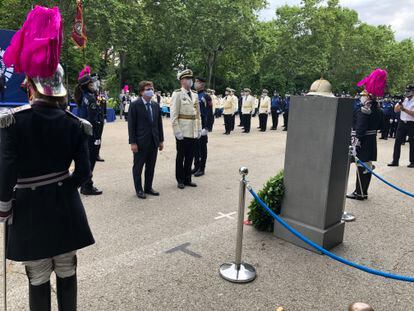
(273,129)
(99,159)
(141,195)
(199,173)
(193,171)
(181,186)
(284,130)
(91,191)
(393,164)
(152,192)
(411,165)
(355,196)
(190,184)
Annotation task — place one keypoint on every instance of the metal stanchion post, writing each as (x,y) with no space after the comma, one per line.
(238,271)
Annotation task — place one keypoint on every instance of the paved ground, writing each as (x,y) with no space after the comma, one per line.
(129,268)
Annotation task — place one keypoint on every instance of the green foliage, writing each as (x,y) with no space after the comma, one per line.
(132,40)
(272,194)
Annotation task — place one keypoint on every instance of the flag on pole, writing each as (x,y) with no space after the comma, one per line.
(79,31)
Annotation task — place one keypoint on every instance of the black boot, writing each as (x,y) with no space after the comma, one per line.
(366,180)
(39,297)
(357,194)
(67,293)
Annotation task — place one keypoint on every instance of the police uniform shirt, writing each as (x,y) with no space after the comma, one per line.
(409,105)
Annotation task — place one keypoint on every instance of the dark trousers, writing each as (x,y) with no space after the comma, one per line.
(263,121)
(363,181)
(200,154)
(385,131)
(100,132)
(403,130)
(393,128)
(2,95)
(228,122)
(275,119)
(93,153)
(285,119)
(241,118)
(247,119)
(184,159)
(145,156)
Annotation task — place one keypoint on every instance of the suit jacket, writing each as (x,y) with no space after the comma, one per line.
(143,131)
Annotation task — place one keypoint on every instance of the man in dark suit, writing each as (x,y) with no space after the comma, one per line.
(146,136)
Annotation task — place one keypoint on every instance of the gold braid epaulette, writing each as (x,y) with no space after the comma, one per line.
(86,126)
(7,117)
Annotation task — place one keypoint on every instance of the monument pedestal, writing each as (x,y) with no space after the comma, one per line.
(316,169)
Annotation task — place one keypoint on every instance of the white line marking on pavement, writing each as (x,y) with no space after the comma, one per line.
(222,215)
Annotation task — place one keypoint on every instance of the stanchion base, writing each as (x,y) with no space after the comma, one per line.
(348,217)
(246,273)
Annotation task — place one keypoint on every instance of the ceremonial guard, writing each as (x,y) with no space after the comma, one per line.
(388,111)
(38,143)
(186,123)
(239,108)
(89,110)
(264,109)
(205,103)
(101,123)
(275,110)
(367,121)
(228,112)
(247,109)
(235,108)
(286,104)
(405,127)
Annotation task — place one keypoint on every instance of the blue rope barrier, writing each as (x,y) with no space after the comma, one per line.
(324,251)
(383,180)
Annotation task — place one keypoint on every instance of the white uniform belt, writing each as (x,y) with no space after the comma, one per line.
(367,133)
(33,182)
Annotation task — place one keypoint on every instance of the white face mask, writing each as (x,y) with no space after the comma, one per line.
(190,83)
(364,99)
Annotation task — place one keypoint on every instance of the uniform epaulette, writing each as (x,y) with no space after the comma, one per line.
(177,90)
(7,118)
(194,91)
(86,126)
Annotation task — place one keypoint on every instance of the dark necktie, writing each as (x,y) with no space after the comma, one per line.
(149,111)
(189,95)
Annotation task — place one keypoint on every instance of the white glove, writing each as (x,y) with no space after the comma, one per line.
(97,142)
(355,142)
(391,121)
(199,134)
(204,132)
(352,151)
(179,136)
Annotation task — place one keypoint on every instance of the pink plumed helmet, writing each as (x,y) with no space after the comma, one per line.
(85,71)
(375,83)
(35,48)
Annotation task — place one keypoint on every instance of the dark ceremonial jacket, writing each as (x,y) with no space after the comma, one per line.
(90,111)
(37,141)
(365,127)
(206,109)
(141,129)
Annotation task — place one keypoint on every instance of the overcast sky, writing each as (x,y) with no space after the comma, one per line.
(396,13)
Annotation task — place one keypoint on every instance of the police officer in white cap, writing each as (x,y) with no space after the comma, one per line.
(186,122)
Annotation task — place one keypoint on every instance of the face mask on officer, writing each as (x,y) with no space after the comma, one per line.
(190,83)
(364,99)
(409,93)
